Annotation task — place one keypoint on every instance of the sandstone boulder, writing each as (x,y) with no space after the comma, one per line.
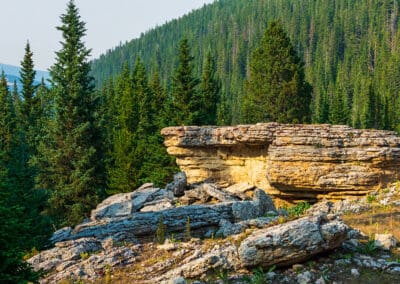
(292,242)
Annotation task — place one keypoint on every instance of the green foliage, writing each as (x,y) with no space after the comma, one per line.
(84,255)
(298,209)
(188,234)
(371,198)
(22,226)
(136,150)
(259,275)
(185,99)
(223,275)
(27,75)
(276,89)
(160,232)
(70,158)
(205,105)
(368,248)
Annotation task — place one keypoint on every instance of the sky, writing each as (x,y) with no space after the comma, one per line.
(108,23)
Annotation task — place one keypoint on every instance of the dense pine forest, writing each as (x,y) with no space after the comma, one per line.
(94,129)
(350,50)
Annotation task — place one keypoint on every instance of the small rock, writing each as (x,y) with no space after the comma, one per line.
(108,244)
(385,241)
(354,272)
(320,280)
(270,275)
(297,267)
(179,184)
(304,278)
(351,244)
(179,280)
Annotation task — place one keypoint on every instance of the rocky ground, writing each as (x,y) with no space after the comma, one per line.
(208,234)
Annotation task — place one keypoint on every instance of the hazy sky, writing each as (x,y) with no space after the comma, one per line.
(108,23)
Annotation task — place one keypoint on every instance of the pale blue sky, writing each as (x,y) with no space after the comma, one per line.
(108,22)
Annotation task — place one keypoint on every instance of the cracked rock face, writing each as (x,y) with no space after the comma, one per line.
(290,162)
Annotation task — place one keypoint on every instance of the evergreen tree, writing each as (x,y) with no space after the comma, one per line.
(22,226)
(184,87)
(159,100)
(71,165)
(205,105)
(121,173)
(276,89)
(27,74)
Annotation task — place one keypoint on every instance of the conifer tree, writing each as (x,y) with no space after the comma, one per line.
(183,87)
(205,104)
(159,100)
(22,227)
(276,89)
(71,166)
(27,74)
(121,173)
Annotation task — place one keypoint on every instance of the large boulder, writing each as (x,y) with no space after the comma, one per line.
(292,242)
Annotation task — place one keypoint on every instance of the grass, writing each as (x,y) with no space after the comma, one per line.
(383,219)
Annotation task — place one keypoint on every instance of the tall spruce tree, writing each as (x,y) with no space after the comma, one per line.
(276,89)
(204,105)
(72,161)
(184,85)
(27,74)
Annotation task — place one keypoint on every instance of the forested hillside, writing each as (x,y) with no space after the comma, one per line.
(350,49)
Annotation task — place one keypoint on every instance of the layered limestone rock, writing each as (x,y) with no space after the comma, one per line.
(290,162)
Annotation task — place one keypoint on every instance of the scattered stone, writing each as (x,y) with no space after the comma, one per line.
(213,191)
(385,241)
(304,278)
(320,280)
(297,267)
(179,184)
(354,272)
(179,280)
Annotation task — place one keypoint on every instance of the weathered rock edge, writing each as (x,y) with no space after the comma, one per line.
(290,162)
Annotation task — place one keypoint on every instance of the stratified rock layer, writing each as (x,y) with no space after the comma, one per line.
(290,162)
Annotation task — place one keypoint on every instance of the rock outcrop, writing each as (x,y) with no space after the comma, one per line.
(122,218)
(290,162)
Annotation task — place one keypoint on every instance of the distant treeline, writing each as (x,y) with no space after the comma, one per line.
(350,49)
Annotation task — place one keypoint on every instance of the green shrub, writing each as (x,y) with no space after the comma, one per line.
(368,248)
(298,209)
(160,233)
